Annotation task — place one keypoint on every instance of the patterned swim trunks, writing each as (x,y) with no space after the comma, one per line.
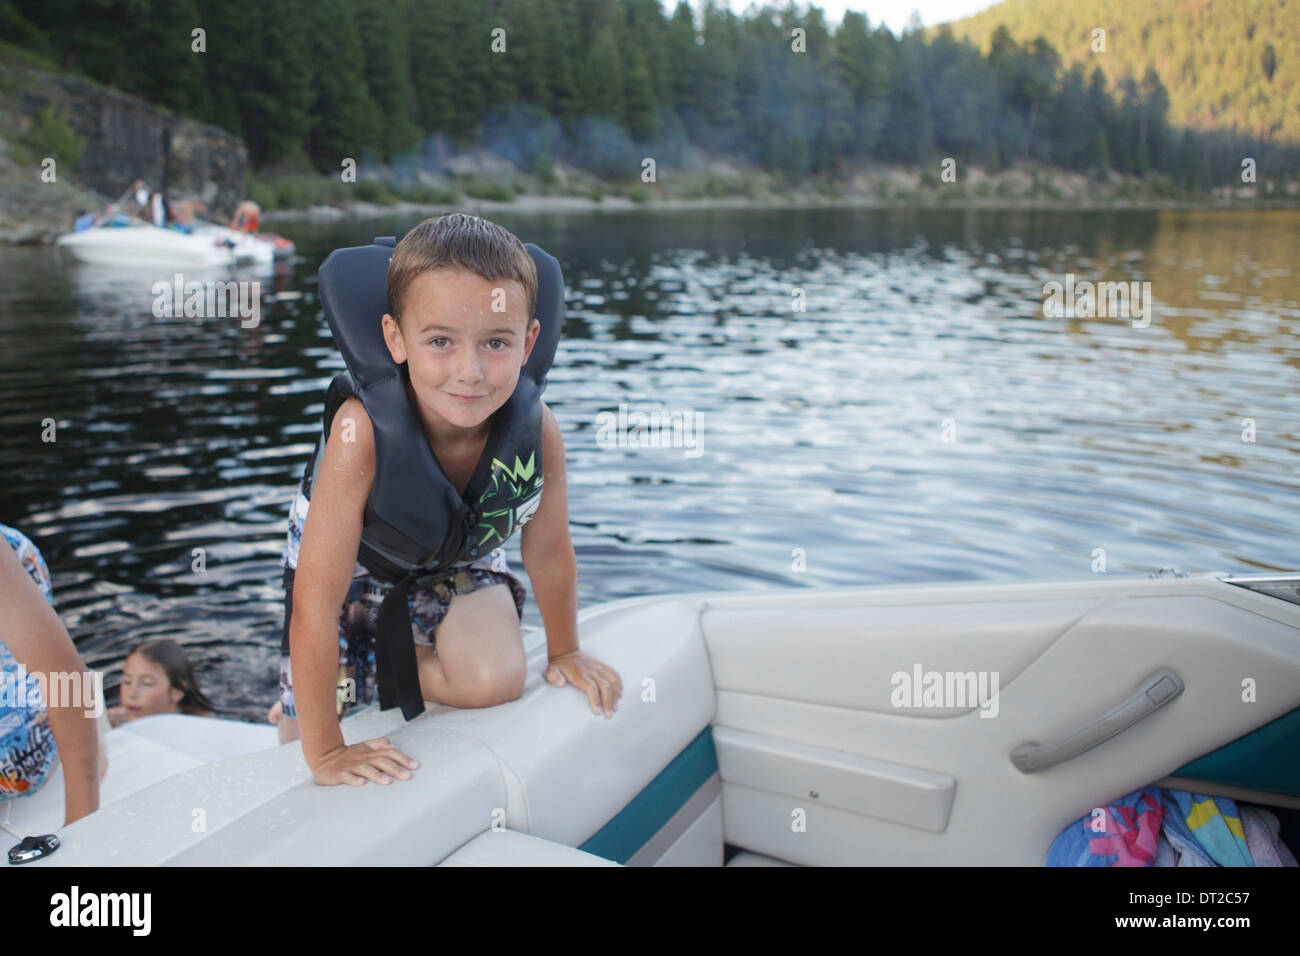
(358,623)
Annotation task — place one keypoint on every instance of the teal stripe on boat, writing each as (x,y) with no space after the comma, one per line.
(649,810)
(1265,759)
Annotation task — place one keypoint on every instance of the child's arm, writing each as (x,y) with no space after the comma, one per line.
(547,551)
(37,639)
(326,558)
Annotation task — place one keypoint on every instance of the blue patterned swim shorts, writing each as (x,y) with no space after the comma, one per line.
(359,617)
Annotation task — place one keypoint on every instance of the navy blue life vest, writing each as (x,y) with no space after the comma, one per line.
(417,528)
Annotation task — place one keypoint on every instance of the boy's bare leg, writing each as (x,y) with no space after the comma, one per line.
(480,657)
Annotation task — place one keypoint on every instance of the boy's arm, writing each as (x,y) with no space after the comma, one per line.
(547,552)
(547,549)
(326,558)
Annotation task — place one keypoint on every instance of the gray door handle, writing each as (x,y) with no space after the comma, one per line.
(1156,691)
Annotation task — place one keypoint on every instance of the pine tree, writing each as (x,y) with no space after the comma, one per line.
(527,53)
(683,59)
(718,88)
(640,116)
(382,26)
(862,68)
(343,119)
(1099,120)
(561,30)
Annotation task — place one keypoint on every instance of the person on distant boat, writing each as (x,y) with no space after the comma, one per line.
(83,221)
(34,646)
(246,217)
(183,213)
(114,216)
(157,678)
(143,196)
(157,209)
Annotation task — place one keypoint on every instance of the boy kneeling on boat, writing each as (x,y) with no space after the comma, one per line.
(435,450)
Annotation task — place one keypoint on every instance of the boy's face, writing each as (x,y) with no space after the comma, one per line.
(464,358)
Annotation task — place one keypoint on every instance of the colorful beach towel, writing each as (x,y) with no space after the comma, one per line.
(1157,826)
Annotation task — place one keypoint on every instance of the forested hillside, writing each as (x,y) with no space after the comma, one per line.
(1227,64)
(603,83)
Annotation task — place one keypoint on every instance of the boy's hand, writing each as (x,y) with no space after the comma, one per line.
(598,681)
(368,760)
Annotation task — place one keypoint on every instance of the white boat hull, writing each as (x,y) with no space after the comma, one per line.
(245,247)
(144,245)
(744,712)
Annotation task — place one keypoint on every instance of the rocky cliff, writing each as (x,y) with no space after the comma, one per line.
(124,137)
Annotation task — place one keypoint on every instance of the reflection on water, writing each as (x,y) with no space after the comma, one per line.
(876,396)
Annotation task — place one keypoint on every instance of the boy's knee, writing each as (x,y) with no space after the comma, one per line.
(497,687)
(515,689)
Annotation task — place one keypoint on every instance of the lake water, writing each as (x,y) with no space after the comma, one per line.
(874,397)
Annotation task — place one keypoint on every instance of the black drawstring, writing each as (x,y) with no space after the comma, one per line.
(398,671)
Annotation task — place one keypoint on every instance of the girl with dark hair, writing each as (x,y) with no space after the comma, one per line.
(157,678)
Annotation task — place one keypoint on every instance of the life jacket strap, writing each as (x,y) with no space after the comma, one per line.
(397,671)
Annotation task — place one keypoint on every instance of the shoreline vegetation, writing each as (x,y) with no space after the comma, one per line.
(723,186)
(487,189)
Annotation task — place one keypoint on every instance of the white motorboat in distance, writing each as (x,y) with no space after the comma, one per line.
(140,243)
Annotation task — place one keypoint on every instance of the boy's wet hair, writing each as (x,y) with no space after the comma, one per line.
(458,240)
